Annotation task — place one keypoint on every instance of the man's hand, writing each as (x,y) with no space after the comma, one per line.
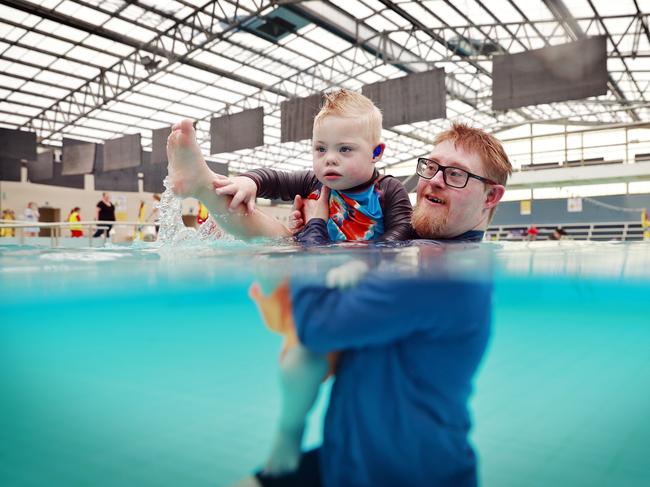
(242,189)
(305,209)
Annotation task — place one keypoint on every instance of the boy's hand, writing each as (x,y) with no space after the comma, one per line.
(242,189)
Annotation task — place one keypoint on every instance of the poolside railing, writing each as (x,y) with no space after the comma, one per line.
(56,228)
(602,231)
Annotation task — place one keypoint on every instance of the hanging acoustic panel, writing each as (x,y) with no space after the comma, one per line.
(159,145)
(42,168)
(412,98)
(297,118)
(78,157)
(17,144)
(243,130)
(122,153)
(566,72)
(9,169)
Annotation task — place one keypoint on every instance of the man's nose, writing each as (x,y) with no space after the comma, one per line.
(438,179)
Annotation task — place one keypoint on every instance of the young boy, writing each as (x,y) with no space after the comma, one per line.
(362,206)
(346,146)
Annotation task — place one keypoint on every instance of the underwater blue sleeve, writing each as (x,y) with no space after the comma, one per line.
(314,233)
(378,312)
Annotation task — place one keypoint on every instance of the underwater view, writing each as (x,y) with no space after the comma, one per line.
(151,365)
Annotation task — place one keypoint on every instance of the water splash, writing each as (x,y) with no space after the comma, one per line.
(173,231)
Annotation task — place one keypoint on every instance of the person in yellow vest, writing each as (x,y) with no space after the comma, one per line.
(645,224)
(8,215)
(202,214)
(76,230)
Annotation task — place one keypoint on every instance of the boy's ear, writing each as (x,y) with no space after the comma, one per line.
(378,152)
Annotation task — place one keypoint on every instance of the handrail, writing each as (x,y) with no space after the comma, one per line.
(57,226)
(618,230)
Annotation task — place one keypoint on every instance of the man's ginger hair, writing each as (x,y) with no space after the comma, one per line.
(495,161)
(351,104)
(494,158)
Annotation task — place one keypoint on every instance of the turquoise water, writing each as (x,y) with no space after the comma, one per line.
(150,367)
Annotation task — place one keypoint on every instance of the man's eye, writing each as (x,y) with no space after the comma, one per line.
(456,173)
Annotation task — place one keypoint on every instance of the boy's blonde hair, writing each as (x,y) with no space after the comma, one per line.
(351,104)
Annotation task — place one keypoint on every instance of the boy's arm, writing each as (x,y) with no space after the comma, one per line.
(397,210)
(380,311)
(282,185)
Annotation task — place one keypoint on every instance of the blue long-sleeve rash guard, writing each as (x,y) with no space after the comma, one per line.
(398,407)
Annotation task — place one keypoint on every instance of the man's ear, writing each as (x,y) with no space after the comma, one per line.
(494,195)
(378,152)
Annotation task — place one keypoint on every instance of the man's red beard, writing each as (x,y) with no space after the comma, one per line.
(429,224)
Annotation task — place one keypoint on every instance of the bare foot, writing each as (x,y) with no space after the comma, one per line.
(285,455)
(189,173)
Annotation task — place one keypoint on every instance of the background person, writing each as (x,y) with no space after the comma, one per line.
(105,212)
(76,230)
(30,215)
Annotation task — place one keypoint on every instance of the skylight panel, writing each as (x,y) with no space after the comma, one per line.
(354,8)
(257,75)
(236,86)
(195,73)
(57,46)
(216,61)
(619,7)
(104,44)
(29,99)
(217,93)
(189,112)
(39,58)
(46,90)
(328,39)
(316,52)
(121,118)
(503,10)
(13,119)
(21,70)
(181,83)
(379,23)
(17,16)
(128,29)
(147,101)
(209,104)
(59,79)
(95,134)
(33,39)
(82,13)
(86,55)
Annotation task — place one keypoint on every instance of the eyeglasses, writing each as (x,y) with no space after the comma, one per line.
(454,177)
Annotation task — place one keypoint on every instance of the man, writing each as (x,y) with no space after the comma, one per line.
(408,347)
(105,212)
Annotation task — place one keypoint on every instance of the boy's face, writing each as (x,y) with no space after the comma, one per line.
(342,153)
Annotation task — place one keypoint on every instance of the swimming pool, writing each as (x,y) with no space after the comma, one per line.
(150,366)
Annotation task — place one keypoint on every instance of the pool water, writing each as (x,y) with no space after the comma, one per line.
(150,366)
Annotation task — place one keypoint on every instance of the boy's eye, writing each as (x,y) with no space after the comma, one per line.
(345,149)
(320,149)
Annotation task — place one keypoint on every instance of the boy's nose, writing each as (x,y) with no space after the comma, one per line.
(331,159)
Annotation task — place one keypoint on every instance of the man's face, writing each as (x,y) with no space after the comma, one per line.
(342,154)
(445,212)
